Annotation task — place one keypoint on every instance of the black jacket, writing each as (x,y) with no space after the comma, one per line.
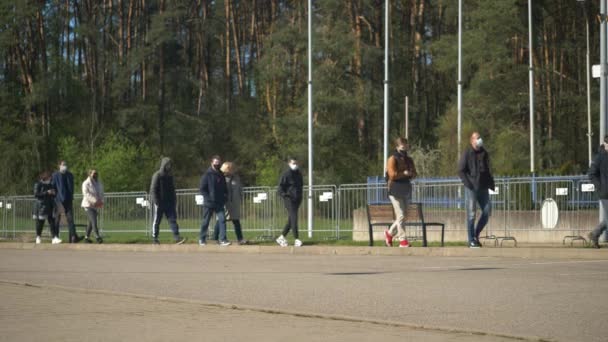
(598,172)
(162,187)
(474,169)
(45,202)
(214,189)
(290,185)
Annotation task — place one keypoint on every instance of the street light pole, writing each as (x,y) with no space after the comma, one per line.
(531,76)
(310,141)
(588,75)
(459,139)
(386,104)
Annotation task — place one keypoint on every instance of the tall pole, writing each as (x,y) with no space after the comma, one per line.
(459,139)
(532,169)
(407,118)
(604,72)
(386,36)
(588,73)
(310,155)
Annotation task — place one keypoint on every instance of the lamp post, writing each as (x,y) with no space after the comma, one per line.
(587,73)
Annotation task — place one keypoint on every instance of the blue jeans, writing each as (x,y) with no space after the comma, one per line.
(597,232)
(221,223)
(473,198)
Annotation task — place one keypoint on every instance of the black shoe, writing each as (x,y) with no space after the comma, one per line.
(87,240)
(479,245)
(594,241)
(473,244)
(99,239)
(76,239)
(180,240)
(156,242)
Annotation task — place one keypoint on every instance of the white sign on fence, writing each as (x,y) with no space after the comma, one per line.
(8,206)
(145,203)
(561,192)
(200,200)
(328,195)
(588,187)
(1,204)
(263,196)
(496,191)
(139,200)
(257,200)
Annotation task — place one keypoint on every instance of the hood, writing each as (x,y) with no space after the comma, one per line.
(165,166)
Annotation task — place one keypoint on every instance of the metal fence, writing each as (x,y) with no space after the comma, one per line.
(517,205)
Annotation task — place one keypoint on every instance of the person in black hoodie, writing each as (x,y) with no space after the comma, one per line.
(476,175)
(290,189)
(214,190)
(164,200)
(598,172)
(44,206)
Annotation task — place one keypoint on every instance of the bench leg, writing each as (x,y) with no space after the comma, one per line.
(442,234)
(424,242)
(371,236)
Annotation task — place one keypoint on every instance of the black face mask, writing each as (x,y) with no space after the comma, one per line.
(216,167)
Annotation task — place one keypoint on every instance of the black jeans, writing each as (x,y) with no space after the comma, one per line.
(68,211)
(292,222)
(92,226)
(171,214)
(237,229)
(52,226)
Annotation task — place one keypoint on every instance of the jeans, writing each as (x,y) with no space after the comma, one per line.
(171,217)
(237,230)
(220,225)
(597,232)
(68,211)
(292,222)
(400,208)
(92,226)
(481,197)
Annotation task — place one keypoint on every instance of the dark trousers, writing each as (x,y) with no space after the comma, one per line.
(52,226)
(92,226)
(292,222)
(220,225)
(237,229)
(171,214)
(68,211)
(481,197)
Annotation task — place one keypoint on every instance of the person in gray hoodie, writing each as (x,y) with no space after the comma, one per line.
(164,200)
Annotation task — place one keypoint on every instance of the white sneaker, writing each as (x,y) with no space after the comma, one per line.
(282,241)
(201,243)
(225,243)
(297,243)
(38,240)
(56,240)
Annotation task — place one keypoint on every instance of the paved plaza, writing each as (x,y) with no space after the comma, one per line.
(168,295)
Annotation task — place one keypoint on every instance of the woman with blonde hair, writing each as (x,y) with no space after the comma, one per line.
(92,200)
(233,202)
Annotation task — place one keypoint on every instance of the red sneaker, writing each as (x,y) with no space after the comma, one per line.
(388,238)
(404,244)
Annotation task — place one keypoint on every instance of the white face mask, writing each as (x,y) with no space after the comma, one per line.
(63,168)
(293,166)
(479,142)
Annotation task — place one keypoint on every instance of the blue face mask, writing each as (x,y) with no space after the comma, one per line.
(479,142)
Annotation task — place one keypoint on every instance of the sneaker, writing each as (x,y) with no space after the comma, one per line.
(297,243)
(594,241)
(180,240)
(243,242)
(56,240)
(388,238)
(479,245)
(202,243)
(38,240)
(473,244)
(225,243)
(404,244)
(87,240)
(99,239)
(282,241)
(155,241)
(76,239)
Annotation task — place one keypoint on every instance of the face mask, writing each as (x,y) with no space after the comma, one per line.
(63,168)
(216,166)
(479,142)
(293,166)
(46,181)
(402,149)
(95,177)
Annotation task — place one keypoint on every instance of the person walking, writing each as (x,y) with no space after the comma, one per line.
(92,200)
(475,172)
(164,200)
(44,205)
(598,173)
(400,170)
(214,190)
(234,190)
(63,180)
(290,189)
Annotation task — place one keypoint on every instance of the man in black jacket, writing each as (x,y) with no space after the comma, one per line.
(164,200)
(214,190)
(290,189)
(64,183)
(598,172)
(476,175)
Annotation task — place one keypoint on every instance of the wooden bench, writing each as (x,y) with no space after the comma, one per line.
(384,215)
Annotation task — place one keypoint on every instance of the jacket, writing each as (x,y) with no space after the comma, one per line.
(290,186)
(92,193)
(398,183)
(598,172)
(162,187)
(64,183)
(213,188)
(474,169)
(45,202)
(235,194)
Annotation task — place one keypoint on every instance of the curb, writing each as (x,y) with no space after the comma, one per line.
(519,252)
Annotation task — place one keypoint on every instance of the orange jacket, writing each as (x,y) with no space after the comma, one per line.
(395,166)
